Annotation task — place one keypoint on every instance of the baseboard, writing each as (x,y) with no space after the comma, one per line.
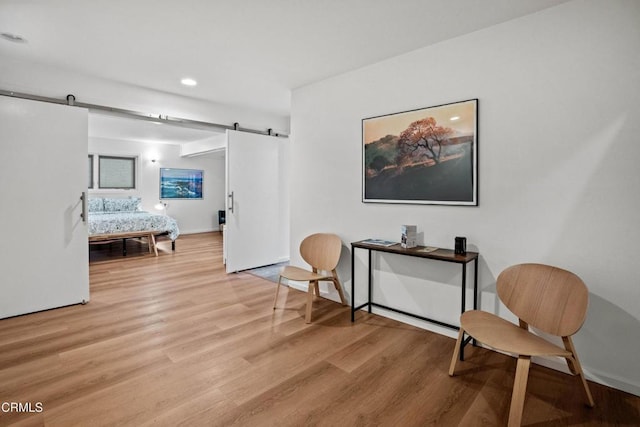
(557,364)
(591,374)
(301,286)
(304,286)
(413,321)
(205,230)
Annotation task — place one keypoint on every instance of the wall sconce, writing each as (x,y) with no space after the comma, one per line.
(161,206)
(153,157)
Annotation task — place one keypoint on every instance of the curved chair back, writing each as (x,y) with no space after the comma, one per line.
(548,298)
(321,250)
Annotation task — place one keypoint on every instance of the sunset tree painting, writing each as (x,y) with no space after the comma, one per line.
(426,156)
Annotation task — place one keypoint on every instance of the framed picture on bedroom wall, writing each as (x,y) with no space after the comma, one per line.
(181,183)
(425,156)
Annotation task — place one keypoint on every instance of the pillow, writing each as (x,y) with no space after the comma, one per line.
(122,205)
(95,205)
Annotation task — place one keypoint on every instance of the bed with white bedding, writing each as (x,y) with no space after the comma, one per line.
(115,219)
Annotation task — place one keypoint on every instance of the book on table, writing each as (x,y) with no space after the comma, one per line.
(379,242)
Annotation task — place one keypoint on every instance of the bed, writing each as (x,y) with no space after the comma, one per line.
(121,219)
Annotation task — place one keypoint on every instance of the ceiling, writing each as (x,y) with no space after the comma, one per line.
(122,128)
(246,53)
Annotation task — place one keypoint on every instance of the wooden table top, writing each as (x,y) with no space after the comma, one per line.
(419,251)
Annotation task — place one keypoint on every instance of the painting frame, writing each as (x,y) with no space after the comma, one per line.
(181,184)
(426,156)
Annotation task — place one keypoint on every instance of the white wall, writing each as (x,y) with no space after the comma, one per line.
(558,167)
(215,143)
(193,216)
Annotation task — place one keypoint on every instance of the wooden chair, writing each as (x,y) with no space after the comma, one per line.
(322,252)
(547,298)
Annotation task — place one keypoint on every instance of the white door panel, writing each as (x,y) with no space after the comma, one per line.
(43,172)
(257,220)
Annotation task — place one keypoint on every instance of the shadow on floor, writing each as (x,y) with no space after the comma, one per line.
(269,272)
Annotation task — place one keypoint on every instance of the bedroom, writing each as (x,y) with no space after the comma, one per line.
(557,168)
(155,146)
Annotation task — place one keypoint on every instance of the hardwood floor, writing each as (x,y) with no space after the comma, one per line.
(173,340)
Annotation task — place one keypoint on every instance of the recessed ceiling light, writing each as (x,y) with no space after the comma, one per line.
(13,37)
(188,82)
(454,118)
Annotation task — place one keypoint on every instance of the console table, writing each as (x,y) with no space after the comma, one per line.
(446,255)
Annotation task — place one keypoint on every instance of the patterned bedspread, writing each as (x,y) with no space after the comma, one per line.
(123,222)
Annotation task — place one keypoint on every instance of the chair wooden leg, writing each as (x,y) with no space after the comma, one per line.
(307,317)
(316,288)
(576,368)
(275,300)
(153,243)
(456,353)
(519,391)
(336,283)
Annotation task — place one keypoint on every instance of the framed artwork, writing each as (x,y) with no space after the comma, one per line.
(425,156)
(180,183)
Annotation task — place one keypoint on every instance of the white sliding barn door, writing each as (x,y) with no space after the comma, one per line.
(43,172)
(257,220)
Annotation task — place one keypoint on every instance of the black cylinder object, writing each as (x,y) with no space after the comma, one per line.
(460,247)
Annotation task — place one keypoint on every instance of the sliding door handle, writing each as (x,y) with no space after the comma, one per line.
(83,199)
(230,196)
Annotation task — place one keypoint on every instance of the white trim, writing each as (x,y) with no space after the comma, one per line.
(555,363)
(197,231)
(304,286)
